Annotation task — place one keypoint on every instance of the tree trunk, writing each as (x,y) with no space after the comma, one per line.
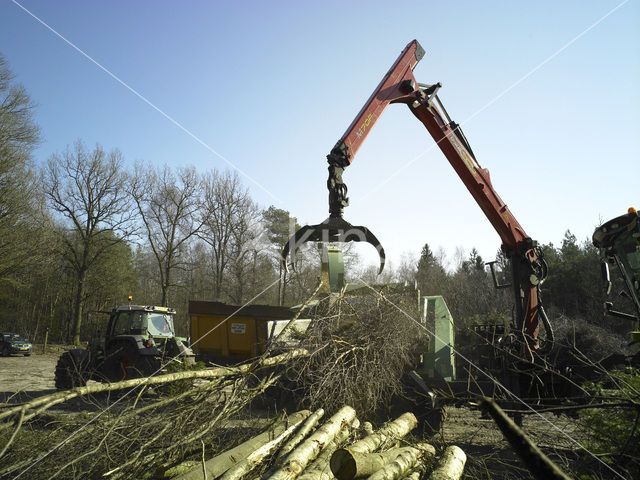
(347,465)
(302,456)
(217,284)
(396,429)
(280,284)
(310,424)
(77,308)
(451,465)
(243,467)
(165,284)
(216,466)
(284,287)
(415,474)
(319,469)
(404,462)
(217,289)
(34,335)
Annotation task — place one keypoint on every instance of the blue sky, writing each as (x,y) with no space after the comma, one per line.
(271,86)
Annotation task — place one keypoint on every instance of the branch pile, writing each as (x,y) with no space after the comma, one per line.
(354,353)
(360,344)
(137,434)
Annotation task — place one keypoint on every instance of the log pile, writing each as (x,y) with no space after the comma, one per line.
(341,448)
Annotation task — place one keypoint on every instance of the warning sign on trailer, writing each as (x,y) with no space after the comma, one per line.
(238,328)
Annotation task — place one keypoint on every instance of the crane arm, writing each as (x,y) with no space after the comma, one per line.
(400,86)
(528,267)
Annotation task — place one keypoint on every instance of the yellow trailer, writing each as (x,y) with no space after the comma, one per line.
(231,333)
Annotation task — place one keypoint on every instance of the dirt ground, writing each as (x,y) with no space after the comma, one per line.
(491,457)
(25,377)
(546,430)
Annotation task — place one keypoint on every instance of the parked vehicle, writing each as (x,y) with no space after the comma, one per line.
(139,340)
(11,343)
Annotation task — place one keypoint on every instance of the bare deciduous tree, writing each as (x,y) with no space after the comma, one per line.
(168,205)
(244,250)
(88,189)
(225,206)
(19,191)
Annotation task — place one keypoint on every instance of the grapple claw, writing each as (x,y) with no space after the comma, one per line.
(333,229)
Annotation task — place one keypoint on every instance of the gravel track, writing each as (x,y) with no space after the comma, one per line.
(26,377)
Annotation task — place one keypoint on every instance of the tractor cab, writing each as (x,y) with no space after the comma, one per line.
(629,252)
(148,329)
(146,321)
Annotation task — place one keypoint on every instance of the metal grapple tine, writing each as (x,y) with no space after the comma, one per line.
(373,240)
(308,233)
(332,230)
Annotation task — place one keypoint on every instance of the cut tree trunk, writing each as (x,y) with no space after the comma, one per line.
(394,430)
(403,463)
(319,469)
(309,425)
(243,467)
(414,475)
(451,465)
(303,455)
(347,465)
(216,466)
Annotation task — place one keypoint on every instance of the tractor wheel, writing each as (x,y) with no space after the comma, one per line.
(69,372)
(126,363)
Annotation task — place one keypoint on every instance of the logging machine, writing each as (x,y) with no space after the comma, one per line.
(399,86)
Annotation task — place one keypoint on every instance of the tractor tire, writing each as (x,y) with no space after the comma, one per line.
(126,363)
(70,372)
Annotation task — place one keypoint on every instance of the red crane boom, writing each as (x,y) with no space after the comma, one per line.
(400,86)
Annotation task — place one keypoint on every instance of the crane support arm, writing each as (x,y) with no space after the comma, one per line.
(397,82)
(476,179)
(400,86)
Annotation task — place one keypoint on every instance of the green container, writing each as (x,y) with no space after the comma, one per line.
(332,269)
(439,362)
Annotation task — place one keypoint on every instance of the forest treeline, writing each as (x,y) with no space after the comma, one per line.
(83,230)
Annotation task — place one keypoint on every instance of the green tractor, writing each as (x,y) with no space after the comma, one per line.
(619,244)
(138,342)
